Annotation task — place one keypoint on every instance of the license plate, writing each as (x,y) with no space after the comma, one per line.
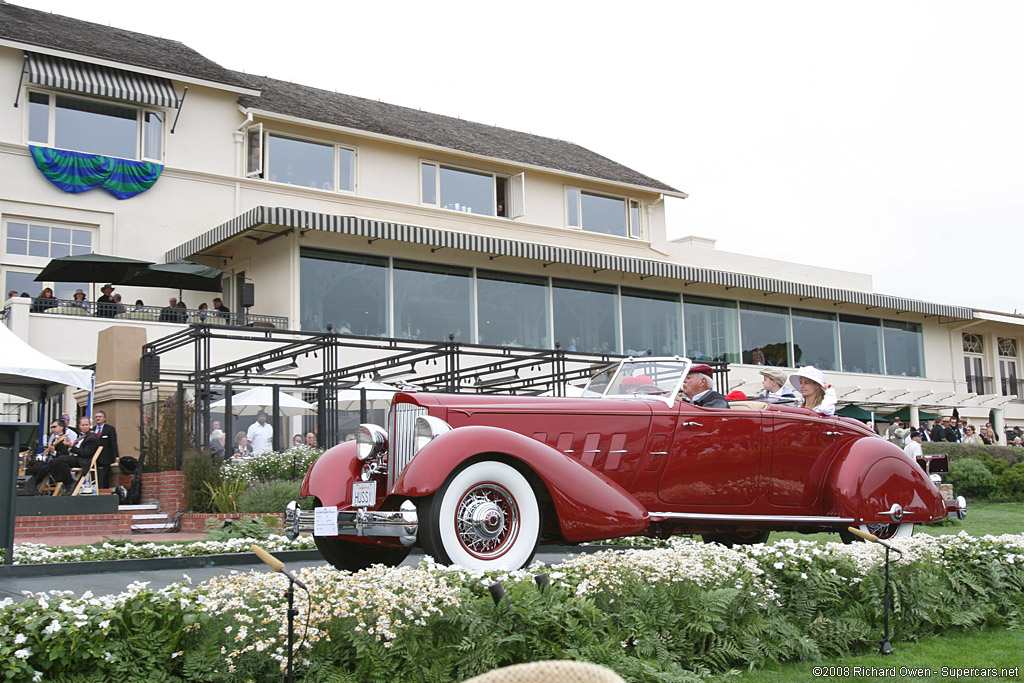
(364,494)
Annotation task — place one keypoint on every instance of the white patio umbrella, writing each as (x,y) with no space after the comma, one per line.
(378,396)
(256,399)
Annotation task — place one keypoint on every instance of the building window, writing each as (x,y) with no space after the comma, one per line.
(712,329)
(904,348)
(861,343)
(764,335)
(44,241)
(363,308)
(603,214)
(468,191)
(1009,382)
(585,316)
(651,321)
(512,310)
(95,127)
(973,343)
(432,301)
(815,339)
(1007,347)
(294,161)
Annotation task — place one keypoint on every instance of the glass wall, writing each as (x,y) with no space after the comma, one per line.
(711,329)
(861,343)
(512,310)
(432,301)
(348,291)
(815,339)
(651,321)
(585,316)
(96,127)
(904,348)
(765,335)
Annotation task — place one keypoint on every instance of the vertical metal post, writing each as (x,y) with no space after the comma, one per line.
(12,495)
(362,405)
(276,419)
(179,442)
(229,435)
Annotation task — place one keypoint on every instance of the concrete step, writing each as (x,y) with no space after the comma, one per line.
(148,507)
(152,527)
(157,517)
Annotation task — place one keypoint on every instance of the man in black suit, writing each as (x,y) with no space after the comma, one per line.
(108,439)
(80,455)
(938,432)
(697,388)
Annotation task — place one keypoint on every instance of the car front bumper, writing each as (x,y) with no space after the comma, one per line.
(401,523)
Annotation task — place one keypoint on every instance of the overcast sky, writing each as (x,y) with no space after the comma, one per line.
(882,137)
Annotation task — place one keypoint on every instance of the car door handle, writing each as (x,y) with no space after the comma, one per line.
(691,424)
(659,452)
(832,433)
(597,450)
(622,451)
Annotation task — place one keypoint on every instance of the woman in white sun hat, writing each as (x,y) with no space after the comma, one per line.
(818,394)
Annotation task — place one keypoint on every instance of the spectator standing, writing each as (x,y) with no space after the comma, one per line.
(44,301)
(218,305)
(169,312)
(913,447)
(108,439)
(938,432)
(951,433)
(105,305)
(217,438)
(261,434)
(971,437)
(896,432)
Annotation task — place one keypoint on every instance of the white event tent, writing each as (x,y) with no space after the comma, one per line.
(27,372)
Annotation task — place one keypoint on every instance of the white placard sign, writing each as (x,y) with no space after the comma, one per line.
(325,521)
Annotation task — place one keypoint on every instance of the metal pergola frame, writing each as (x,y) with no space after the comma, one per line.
(451,367)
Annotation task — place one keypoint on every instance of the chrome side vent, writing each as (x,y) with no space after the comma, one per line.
(401,433)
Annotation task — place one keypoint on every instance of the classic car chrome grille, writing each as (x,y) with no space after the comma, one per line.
(401,431)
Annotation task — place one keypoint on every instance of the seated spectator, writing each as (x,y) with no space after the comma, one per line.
(218,305)
(80,300)
(139,305)
(203,309)
(105,307)
(44,301)
(169,313)
(297,440)
(818,394)
(217,437)
(242,447)
(775,384)
(119,307)
(311,439)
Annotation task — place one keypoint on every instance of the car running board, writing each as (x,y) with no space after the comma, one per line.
(786,519)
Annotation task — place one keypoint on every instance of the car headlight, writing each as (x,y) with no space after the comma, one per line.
(428,428)
(371,441)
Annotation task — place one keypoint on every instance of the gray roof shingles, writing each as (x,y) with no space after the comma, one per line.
(314,104)
(34,27)
(57,32)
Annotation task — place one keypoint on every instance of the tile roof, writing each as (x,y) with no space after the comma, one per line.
(34,27)
(324,106)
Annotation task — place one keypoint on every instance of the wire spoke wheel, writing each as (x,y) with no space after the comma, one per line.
(487,520)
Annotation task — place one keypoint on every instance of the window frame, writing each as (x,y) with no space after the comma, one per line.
(634,229)
(140,123)
(515,189)
(28,260)
(257,131)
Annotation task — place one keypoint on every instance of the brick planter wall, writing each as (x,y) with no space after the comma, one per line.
(166,489)
(73,525)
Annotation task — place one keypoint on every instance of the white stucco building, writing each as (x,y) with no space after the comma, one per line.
(393,222)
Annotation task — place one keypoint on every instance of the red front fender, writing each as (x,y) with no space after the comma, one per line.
(331,476)
(870,476)
(589,506)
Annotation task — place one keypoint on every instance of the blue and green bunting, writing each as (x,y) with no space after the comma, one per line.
(78,172)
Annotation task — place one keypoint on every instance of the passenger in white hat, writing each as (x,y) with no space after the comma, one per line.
(818,394)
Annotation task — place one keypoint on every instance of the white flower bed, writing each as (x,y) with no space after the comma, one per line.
(33,553)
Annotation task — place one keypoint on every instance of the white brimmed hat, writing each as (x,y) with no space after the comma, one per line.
(810,372)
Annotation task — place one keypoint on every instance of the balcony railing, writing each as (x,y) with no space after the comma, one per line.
(976,384)
(183,316)
(1013,387)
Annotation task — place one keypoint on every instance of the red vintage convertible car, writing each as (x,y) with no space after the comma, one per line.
(480,481)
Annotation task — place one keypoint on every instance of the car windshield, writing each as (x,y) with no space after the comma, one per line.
(658,377)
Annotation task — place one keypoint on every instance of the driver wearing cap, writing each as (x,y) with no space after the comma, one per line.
(697,388)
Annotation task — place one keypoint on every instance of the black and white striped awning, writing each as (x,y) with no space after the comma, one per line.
(496,246)
(93,79)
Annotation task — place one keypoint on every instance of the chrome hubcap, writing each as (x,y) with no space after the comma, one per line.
(487,520)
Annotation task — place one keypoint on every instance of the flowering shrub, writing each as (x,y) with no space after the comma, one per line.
(272,465)
(675,613)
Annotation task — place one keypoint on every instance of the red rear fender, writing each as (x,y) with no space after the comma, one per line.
(331,476)
(589,505)
(870,476)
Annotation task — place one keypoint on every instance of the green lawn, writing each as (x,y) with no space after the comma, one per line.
(982,519)
(968,649)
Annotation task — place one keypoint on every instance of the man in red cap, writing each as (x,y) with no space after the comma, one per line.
(697,388)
